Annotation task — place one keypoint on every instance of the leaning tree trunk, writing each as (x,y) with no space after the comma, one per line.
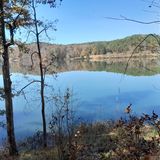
(42,79)
(42,96)
(7,86)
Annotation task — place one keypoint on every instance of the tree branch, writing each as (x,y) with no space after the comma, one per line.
(149,35)
(123,18)
(34,81)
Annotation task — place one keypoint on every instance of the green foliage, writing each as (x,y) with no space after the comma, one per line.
(101,48)
(126,45)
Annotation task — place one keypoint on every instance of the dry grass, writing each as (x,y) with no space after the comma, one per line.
(46,154)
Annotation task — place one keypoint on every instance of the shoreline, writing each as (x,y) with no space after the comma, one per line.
(117,56)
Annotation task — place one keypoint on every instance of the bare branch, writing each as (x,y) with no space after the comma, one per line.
(42,31)
(123,18)
(34,81)
(47,35)
(149,35)
(28,34)
(152,3)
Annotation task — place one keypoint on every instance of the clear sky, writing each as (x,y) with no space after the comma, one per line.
(84,20)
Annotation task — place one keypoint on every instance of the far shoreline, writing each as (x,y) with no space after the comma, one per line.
(112,56)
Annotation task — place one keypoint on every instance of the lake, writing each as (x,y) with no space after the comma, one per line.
(100,92)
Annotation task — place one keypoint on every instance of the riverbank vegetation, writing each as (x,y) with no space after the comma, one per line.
(129,138)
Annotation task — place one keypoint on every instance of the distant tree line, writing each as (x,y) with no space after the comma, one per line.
(101,48)
(63,52)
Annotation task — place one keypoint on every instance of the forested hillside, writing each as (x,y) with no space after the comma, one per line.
(94,51)
(107,47)
(116,46)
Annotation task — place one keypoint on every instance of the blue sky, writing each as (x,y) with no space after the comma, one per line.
(84,20)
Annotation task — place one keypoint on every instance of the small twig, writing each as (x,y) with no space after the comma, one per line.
(34,81)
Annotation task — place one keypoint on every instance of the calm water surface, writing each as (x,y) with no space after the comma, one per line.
(99,95)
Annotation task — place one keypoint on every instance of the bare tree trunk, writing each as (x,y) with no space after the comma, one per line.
(8,104)
(42,78)
(7,86)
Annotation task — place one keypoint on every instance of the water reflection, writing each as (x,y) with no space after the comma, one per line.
(102,92)
(137,66)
